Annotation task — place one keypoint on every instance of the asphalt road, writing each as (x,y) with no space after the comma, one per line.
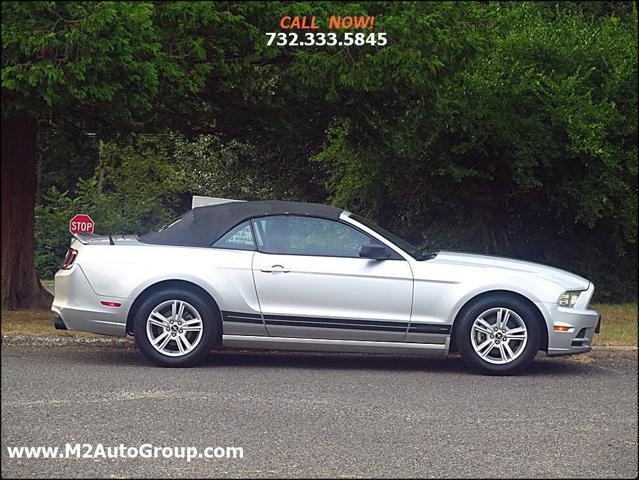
(314,415)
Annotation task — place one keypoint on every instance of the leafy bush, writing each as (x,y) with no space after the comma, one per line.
(234,169)
(134,190)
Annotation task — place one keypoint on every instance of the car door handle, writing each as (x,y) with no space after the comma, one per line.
(275,269)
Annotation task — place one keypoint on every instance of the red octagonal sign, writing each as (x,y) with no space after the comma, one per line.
(81,223)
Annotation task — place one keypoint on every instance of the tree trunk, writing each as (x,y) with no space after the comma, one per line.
(20,285)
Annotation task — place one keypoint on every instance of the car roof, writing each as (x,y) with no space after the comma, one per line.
(203,226)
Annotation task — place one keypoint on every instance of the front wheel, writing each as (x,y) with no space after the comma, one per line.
(498,335)
(175,328)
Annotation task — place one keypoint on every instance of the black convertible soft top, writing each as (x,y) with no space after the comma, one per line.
(202,226)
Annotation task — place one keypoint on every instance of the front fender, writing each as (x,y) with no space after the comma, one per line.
(492,288)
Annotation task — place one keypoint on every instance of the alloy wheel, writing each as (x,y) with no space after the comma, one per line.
(174,328)
(499,335)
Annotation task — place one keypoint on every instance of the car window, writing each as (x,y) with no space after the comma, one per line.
(239,237)
(293,235)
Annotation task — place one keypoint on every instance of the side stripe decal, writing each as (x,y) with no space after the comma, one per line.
(328,321)
(348,326)
(241,317)
(341,323)
(429,328)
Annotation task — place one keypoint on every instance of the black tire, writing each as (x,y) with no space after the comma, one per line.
(211,328)
(469,314)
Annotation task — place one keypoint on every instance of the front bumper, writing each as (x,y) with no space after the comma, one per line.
(581,326)
(78,307)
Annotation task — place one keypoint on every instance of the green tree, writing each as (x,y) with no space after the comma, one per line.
(502,127)
(514,128)
(94,61)
(104,67)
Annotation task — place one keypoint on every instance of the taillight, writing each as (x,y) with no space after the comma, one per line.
(69,259)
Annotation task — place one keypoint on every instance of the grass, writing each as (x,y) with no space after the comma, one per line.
(33,322)
(619,324)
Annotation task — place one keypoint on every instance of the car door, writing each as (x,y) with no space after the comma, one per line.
(311,282)
(233,278)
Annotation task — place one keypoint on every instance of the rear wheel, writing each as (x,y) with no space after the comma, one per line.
(175,328)
(498,335)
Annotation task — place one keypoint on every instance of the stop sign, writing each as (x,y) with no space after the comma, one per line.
(81,223)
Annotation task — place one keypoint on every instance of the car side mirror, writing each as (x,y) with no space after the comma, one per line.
(376,252)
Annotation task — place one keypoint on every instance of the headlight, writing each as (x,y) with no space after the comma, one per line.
(569,298)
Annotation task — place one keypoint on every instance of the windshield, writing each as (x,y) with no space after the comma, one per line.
(407,247)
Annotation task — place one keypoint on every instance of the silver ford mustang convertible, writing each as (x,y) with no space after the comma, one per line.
(284,275)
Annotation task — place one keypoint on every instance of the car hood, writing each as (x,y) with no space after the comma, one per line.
(556,275)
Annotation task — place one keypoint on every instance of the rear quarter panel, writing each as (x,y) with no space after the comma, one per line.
(126,271)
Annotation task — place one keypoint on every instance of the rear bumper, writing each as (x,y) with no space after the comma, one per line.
(58,323)
(79,307)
